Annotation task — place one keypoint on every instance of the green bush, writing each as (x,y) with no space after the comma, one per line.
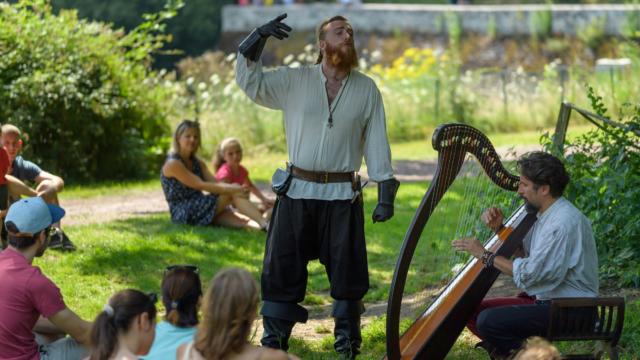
(605,168)
(81,92)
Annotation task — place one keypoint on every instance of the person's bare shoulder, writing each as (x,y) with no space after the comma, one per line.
(171,166)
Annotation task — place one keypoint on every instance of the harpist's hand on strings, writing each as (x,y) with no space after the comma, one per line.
(493,218)
(471,245)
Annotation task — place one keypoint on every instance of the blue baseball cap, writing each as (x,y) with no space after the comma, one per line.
(32,215)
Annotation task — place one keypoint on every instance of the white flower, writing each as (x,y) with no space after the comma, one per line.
(308,47)
(202,86)
(190,80)
(228,89)
(205,95)
(215,79)
(376,55)
(287,59)
(295,64)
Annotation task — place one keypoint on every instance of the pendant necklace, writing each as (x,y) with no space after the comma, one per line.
(335,103)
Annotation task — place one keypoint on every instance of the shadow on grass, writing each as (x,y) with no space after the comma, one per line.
(136,251)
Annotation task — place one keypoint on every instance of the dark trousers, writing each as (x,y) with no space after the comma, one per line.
(506,327)
(521,299)
(302,230)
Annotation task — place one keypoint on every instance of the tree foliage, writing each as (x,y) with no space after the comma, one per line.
(195,28)
(83,93)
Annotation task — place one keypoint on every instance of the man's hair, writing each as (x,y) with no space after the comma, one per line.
(321,31)
(20,242)
(544,169)
(181,290)
(11,129)
(228,311)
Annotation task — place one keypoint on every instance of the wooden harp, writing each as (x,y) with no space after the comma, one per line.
(434,332)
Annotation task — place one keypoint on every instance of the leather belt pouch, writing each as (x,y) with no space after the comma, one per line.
(280,181)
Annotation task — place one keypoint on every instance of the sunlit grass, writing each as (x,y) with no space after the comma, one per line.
(83,191)
(134,252)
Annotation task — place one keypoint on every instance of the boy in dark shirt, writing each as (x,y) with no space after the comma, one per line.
(47,185)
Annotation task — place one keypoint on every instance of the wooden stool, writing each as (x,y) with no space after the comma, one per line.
(584,319)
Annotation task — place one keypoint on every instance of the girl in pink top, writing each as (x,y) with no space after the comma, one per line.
(226,162)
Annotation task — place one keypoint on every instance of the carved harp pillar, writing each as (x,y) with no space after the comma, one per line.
(434,332)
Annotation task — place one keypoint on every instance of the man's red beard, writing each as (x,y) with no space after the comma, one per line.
(342,57)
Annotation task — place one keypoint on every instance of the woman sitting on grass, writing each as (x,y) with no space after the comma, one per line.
(184,177)
(181,295)
(229,310)
(125,328)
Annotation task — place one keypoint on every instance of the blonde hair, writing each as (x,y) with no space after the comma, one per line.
(218,157)
(11,129)
(182,127)
(537,348)
(228,311)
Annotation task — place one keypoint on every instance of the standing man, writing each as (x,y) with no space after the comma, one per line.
(30,303)
(47,185)
(333,116)
(560,259)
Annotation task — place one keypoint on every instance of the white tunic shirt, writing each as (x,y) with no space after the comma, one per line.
(562,260)
(358,129)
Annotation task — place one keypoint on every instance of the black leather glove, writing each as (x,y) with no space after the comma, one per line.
(275,28)
(386,196)
(251,47)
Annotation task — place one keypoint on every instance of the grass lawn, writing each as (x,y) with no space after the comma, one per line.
(133,253)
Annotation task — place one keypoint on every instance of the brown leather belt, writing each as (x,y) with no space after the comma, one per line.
(322,177)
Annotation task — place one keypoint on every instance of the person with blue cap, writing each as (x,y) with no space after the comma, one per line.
(31,306)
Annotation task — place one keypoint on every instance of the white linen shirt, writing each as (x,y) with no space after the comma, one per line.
(358,130)
(562,260)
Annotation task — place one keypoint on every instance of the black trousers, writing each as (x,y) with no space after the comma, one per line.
(302,230)
(506,327)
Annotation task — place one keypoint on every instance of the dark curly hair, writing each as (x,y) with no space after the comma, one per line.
(544,169)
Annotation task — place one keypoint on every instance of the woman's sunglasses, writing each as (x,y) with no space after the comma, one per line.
(193,268)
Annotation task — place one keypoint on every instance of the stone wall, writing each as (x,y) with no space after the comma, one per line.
(436,19)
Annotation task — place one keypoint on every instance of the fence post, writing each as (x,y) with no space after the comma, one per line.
(561,126)
(437,100)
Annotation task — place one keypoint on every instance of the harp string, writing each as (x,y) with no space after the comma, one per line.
(456,216)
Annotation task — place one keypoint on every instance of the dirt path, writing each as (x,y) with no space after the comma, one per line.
(135,203)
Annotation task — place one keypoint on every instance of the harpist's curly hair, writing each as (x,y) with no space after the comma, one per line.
(544,169)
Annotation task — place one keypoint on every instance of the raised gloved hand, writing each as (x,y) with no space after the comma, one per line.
(386,196)
(251,47)
(275,28)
